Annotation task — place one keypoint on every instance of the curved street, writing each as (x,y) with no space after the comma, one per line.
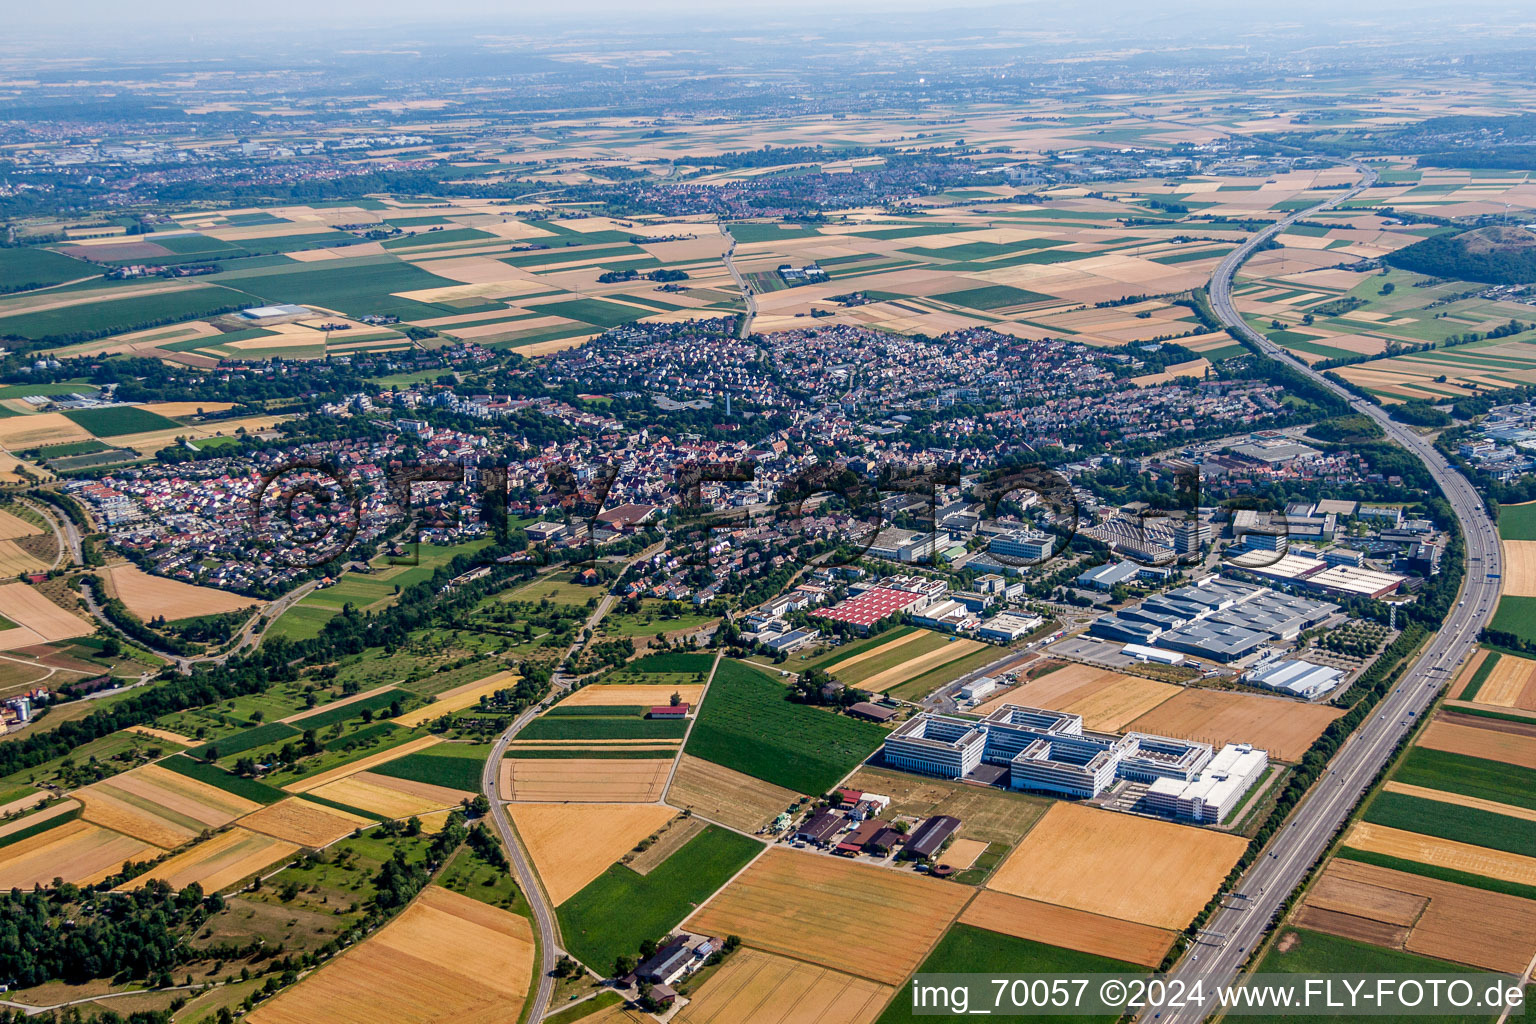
(1235,930)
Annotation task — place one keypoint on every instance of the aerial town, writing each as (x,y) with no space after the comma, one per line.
(675,516)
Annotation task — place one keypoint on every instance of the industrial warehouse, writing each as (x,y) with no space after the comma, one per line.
(1215,618)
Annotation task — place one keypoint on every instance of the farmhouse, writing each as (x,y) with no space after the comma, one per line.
(821,827)
(668,711)
(928,837)
(1045,751)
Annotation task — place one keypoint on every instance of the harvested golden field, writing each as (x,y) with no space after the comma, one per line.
(219,862)
(36,616)
(631,695)
(1119,865)
(863,920)
(447,959)
(571,844)
(883,649)
(12,527)
(76,851)
(1491,930)
(759,988)
(725,795)
(1056,689)
(457,699)
(962,853)
(362,764)
(1122,701)
(1495,744)
(581,779)
(390,797)
(1511,684)
(14,561)
(39,429)
(1071,929)
(1446,853)
(159,806)
(1285,728)
(1519,578)
(149,596)
(300,821)
(914,667)
(333,705)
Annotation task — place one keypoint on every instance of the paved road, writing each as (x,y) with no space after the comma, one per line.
(1234,931)
(744,325)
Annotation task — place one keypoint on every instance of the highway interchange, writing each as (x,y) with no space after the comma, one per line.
(1233,932)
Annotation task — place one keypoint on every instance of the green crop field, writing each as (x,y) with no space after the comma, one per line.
(1518,522)
(672,662)
(116,421)
(873,666)
(354,287)
(1470,776)
(24,269)
(590,727)
(841,654)
(653,903)
(746,723)
(443,237)
(1448,821)
(249,739)
(92,319)
(966,950)
(991,297)
(455,765)
(1515,615)
(221,779)
(1320,954)
(592,311)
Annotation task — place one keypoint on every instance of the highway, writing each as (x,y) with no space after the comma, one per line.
(744,325)
(1239,926)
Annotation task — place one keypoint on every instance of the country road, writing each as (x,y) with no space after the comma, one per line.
(1235,930)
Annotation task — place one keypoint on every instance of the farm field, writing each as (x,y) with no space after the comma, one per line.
(75,851)
(988,814)
(1519,578)
(1449,854)
(850,917)
(457,699)
(159,807)
(747,724)
(303,822)
(1108,701)
(361,764)
(655,901)
(721,794)
(766,989)
(1507,682)
(37,619)
(1301,951)
(602,780)
(389,797)
(572,844)
(905,657)
(631,694)
(452,765)
(1285,728)
(220,862)
(1516,615)
(447,959)
(1390,908)
(1508,785)
(967,949)
(151,596)
(1509,742)
(1072,929)
(1118,865)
